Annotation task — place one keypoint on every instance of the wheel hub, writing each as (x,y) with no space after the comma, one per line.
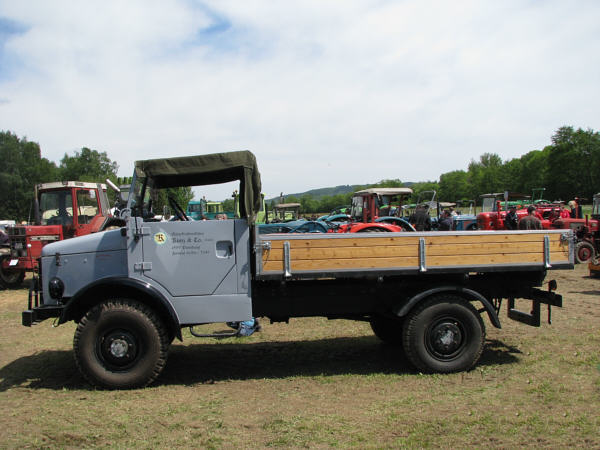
(585,253)
(446,338)
(119,348)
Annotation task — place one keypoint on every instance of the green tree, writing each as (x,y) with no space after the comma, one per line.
(485,175)
(423,186)
(574,163)
(160,199)
(454,186)
(88,165)
(308,204)
(22,168)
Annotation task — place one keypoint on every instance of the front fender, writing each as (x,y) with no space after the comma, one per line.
(119,287)
(462,291)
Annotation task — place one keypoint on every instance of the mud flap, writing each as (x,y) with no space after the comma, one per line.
(537,297)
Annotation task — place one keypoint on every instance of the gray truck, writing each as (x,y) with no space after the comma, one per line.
(131,291)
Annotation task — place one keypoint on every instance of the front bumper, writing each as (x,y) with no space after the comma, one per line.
(40,313)
(36,310)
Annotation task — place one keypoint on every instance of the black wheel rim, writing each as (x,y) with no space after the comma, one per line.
(118,349)
(446,338)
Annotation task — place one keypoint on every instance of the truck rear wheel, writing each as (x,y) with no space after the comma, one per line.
(388,329)
(444,334)
(10,279)
(120,344)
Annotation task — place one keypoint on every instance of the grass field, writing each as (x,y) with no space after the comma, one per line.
(314,384)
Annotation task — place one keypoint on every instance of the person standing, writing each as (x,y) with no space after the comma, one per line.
(575,209)
(578,212)
(420,219)
(446,221)
(530,221)
(511,220)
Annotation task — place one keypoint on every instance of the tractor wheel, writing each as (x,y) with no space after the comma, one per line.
(584,251)
(388,329)
(121,344)
(10,279)
(444,334)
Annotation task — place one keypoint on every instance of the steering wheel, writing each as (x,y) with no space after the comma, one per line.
(179,212)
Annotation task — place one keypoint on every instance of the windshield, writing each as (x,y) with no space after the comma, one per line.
(489,204)
(56,208)
(357,207)
(212,207)
(134,201)
(195,207)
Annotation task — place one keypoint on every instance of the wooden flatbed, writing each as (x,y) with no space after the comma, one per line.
(344,254)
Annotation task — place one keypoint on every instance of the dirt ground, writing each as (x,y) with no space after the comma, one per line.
(314,384)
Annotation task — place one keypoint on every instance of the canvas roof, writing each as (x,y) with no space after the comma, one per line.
(203,170)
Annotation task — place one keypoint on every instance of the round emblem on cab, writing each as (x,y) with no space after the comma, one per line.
(160,238)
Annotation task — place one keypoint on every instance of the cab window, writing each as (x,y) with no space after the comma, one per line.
(87,205)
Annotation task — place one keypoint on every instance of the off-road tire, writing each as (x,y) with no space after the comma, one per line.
(388,329)
(584,252)
(443,334)
(10,279)
(106,331)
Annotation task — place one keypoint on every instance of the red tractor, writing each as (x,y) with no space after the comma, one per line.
(377,210)
(586,231)
(62,210)
(495,207)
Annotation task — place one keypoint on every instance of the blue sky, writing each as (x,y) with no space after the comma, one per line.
(324,93)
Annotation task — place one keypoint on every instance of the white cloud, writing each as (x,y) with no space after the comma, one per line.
(324,93)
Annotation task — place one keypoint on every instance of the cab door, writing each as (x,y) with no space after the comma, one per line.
(196,258)
(88,216)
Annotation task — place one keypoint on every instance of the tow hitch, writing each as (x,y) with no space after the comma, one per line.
(537,297)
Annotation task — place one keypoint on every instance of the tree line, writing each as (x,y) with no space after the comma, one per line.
(568,167)
(22,167)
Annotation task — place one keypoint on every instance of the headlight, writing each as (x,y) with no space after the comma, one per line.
(56,288)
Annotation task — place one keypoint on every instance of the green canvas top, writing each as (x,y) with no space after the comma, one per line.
(202,170)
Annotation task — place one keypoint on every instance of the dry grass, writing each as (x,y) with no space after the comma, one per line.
(314,383)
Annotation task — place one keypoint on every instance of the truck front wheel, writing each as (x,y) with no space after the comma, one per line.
(444,334)
(120,344)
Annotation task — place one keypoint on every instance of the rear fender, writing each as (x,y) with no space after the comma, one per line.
(468,294)
(118,287)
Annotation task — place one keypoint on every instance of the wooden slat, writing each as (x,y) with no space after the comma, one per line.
(403,250)
(407,262)
(340,240)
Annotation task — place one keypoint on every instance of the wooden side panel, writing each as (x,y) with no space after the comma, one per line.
(402,251)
